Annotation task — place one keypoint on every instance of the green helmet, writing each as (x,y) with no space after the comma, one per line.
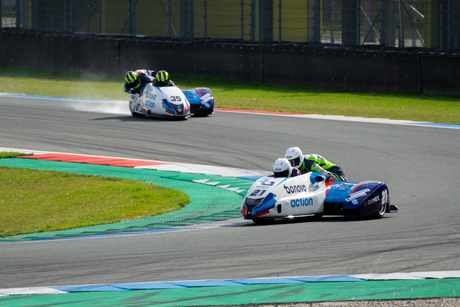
(132,79)
(162,78)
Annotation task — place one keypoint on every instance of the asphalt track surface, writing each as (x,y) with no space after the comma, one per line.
(420,165)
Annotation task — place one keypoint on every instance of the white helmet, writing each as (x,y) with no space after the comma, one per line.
(295,156)
(282,168)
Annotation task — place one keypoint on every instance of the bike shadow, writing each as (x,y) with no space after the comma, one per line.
(314,219)
(148,119)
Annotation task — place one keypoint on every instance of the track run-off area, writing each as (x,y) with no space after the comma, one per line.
(209,255)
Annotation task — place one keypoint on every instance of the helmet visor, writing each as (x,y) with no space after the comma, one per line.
(284,173)
(295,162)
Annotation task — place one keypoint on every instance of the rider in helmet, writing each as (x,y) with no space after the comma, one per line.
(162,79)
(136,79)
(282,168)
(314,163)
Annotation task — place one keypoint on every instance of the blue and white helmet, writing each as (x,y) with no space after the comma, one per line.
(295,156)
(282,168)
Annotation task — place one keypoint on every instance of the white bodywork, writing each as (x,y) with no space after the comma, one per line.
(168,101)
(301,195)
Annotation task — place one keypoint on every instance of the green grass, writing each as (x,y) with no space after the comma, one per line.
(4,155)
(36,201)
(255,96)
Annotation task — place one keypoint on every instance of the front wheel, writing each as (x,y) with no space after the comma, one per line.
(381,212)
(204,113)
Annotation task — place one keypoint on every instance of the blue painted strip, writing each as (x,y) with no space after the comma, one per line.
(252,178)
(258,281)
(121,233)
(148,286)
(52,97)
(206,283)
(455,126)
(95,288)
(329,279)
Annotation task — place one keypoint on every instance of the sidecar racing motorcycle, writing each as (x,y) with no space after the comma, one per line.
(171,101)
(310,194)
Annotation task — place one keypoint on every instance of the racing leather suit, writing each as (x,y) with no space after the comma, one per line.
(317,163)
(144,75)
(171,83)
(294,172)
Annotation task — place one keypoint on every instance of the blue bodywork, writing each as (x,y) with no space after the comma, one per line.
(268,203)
(364,198)
(201,101)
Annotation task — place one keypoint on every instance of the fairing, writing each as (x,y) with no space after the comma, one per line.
(170,101)
(310,194)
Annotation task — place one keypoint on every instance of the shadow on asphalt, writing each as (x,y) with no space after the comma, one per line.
(313,219)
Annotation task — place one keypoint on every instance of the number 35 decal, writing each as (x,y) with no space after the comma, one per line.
(175,98)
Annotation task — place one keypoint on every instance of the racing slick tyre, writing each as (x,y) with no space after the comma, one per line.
(134,113)
(204,113)
(207,112)
(381,212)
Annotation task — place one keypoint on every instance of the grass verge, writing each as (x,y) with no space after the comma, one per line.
(255,96)
(36,201)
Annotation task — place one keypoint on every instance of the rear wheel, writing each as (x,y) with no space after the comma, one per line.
(131,106)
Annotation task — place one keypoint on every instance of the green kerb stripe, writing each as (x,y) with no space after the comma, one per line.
(206,200)
(250,294)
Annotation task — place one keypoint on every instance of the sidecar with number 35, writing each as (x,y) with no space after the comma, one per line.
(171,101)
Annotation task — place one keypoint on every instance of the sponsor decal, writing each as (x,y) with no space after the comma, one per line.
(150,95)
(373,200)
(357,194)
(355,202)
(295,189)
(344,186)
(150,104)
(205,99)
(301,202)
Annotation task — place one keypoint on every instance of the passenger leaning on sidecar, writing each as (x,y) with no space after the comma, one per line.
(135,79)
(282,168)
(314,163)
